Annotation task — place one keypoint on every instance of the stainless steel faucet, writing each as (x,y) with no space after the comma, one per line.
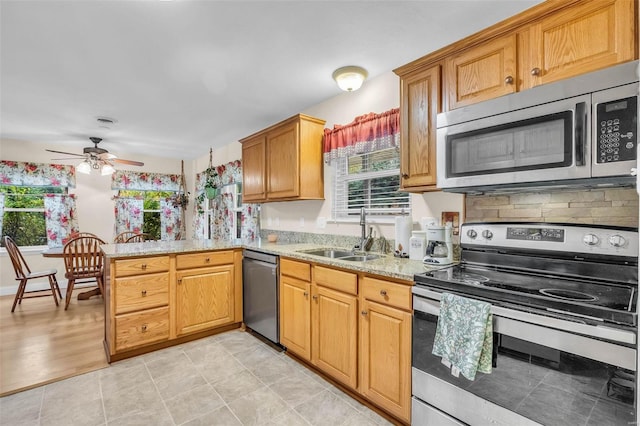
(365,241)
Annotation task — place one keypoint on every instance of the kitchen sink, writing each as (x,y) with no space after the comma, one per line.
(341,255)
(332,253)
(360,258)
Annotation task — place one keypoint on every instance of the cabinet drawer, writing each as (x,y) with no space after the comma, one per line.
(142,328)
(209,258)
(141,292)
(143,265)
(295,269)
(338,280)
(386,292)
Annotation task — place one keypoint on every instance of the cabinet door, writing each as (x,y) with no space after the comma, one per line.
(420,103)
(295,316)
(253,169)
(482,72)
(283,159)
(204,298)
(385,357)
(583,38)
(335,331)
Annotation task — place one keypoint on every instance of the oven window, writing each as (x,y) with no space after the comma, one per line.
(536,143)
(538,382)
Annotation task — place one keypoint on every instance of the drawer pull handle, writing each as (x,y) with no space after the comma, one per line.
(207,260)
(144,328)
(143,266)
(535,71)
(364,313)
(383,293)
(508,80)
(144,293)
(314,297)
(306,294)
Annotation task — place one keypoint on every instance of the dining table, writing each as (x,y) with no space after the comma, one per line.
(57,252)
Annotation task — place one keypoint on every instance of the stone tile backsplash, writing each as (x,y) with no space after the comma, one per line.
(616,207)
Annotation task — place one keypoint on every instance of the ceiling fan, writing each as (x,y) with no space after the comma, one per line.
(96,158)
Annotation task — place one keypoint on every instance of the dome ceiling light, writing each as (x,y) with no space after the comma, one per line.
(350,78)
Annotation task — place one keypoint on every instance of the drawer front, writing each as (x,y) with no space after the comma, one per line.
(208,258)
(142,328)
(386,292)
(141,292)
(141,265)
(295,269)
(337,280)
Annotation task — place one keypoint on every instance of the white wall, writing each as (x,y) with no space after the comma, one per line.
(94,204)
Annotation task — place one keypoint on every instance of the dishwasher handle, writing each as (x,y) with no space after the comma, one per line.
(264,257)
(272,266)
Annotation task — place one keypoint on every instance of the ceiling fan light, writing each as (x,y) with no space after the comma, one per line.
(350,78)
(84,168)
(107,169)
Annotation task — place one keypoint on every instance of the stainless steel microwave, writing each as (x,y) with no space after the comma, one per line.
(582,131)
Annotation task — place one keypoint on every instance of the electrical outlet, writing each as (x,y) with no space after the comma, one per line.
(321,222)
(302,222)
(269,221)
(277,222)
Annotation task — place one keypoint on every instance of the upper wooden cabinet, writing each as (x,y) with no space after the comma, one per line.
(583,38)
(485,72)
(420,103)
(284,161)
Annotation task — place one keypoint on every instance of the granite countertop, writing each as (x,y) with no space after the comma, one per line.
(386,265)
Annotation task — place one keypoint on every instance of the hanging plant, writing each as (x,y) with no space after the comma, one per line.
(212,178)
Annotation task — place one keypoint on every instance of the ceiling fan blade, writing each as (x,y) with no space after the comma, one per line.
(107,156)
(129,162)
(68,159)
(65,153)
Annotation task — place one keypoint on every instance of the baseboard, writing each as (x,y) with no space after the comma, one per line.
(44,285)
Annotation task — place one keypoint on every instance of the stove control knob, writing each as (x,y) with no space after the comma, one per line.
(487,234)
(591,239)
(471,233)
(617,240)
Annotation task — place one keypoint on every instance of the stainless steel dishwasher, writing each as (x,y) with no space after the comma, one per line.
(260,293)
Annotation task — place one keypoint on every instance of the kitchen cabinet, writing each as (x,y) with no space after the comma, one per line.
(295,307)
(284,161)
(420,102)
(141,297)
(334,311)
(484,72)
(167,299)
(385,345)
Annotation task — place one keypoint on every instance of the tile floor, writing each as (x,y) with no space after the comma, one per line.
(228,379)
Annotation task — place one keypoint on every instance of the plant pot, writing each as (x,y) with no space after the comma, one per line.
(211,192)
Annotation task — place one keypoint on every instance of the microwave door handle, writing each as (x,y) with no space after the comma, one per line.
(580,132)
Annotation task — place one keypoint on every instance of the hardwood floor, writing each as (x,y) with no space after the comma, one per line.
(41,343)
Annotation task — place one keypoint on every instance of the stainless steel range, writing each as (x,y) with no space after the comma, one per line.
(563,301)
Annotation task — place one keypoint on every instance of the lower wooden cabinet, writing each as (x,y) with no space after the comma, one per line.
(355,328)
(385,356)
(204,298)
(141,328)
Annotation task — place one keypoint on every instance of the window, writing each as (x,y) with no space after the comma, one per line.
(369,180)
(151,211)
(24,213)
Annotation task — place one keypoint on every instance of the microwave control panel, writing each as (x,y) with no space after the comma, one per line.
(616,125)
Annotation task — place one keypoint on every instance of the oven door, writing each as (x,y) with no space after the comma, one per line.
(541,375)
(515,147)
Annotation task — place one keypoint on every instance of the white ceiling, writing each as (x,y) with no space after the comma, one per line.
(181,76)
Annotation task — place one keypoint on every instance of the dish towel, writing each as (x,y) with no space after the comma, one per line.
(464,335)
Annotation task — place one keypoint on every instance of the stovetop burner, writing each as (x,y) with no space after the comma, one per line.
(576,296)
(473,279)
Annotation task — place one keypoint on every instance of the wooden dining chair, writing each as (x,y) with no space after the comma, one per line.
(139,238)
(123,236)
(83,259)
(24,274)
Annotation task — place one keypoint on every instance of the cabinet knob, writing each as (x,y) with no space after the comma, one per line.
(314,297)
(144,293)
(405,176)
(143,266)
(535,71)
(143,328)
(306,293)
(383,293)
(364,313)
(508,80)
(207,260)
(180,281)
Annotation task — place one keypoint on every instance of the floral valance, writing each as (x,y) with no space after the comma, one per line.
(227,173)
(367,133)
(36,174)
(125,179)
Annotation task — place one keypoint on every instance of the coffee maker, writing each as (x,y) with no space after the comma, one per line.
(439,246)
